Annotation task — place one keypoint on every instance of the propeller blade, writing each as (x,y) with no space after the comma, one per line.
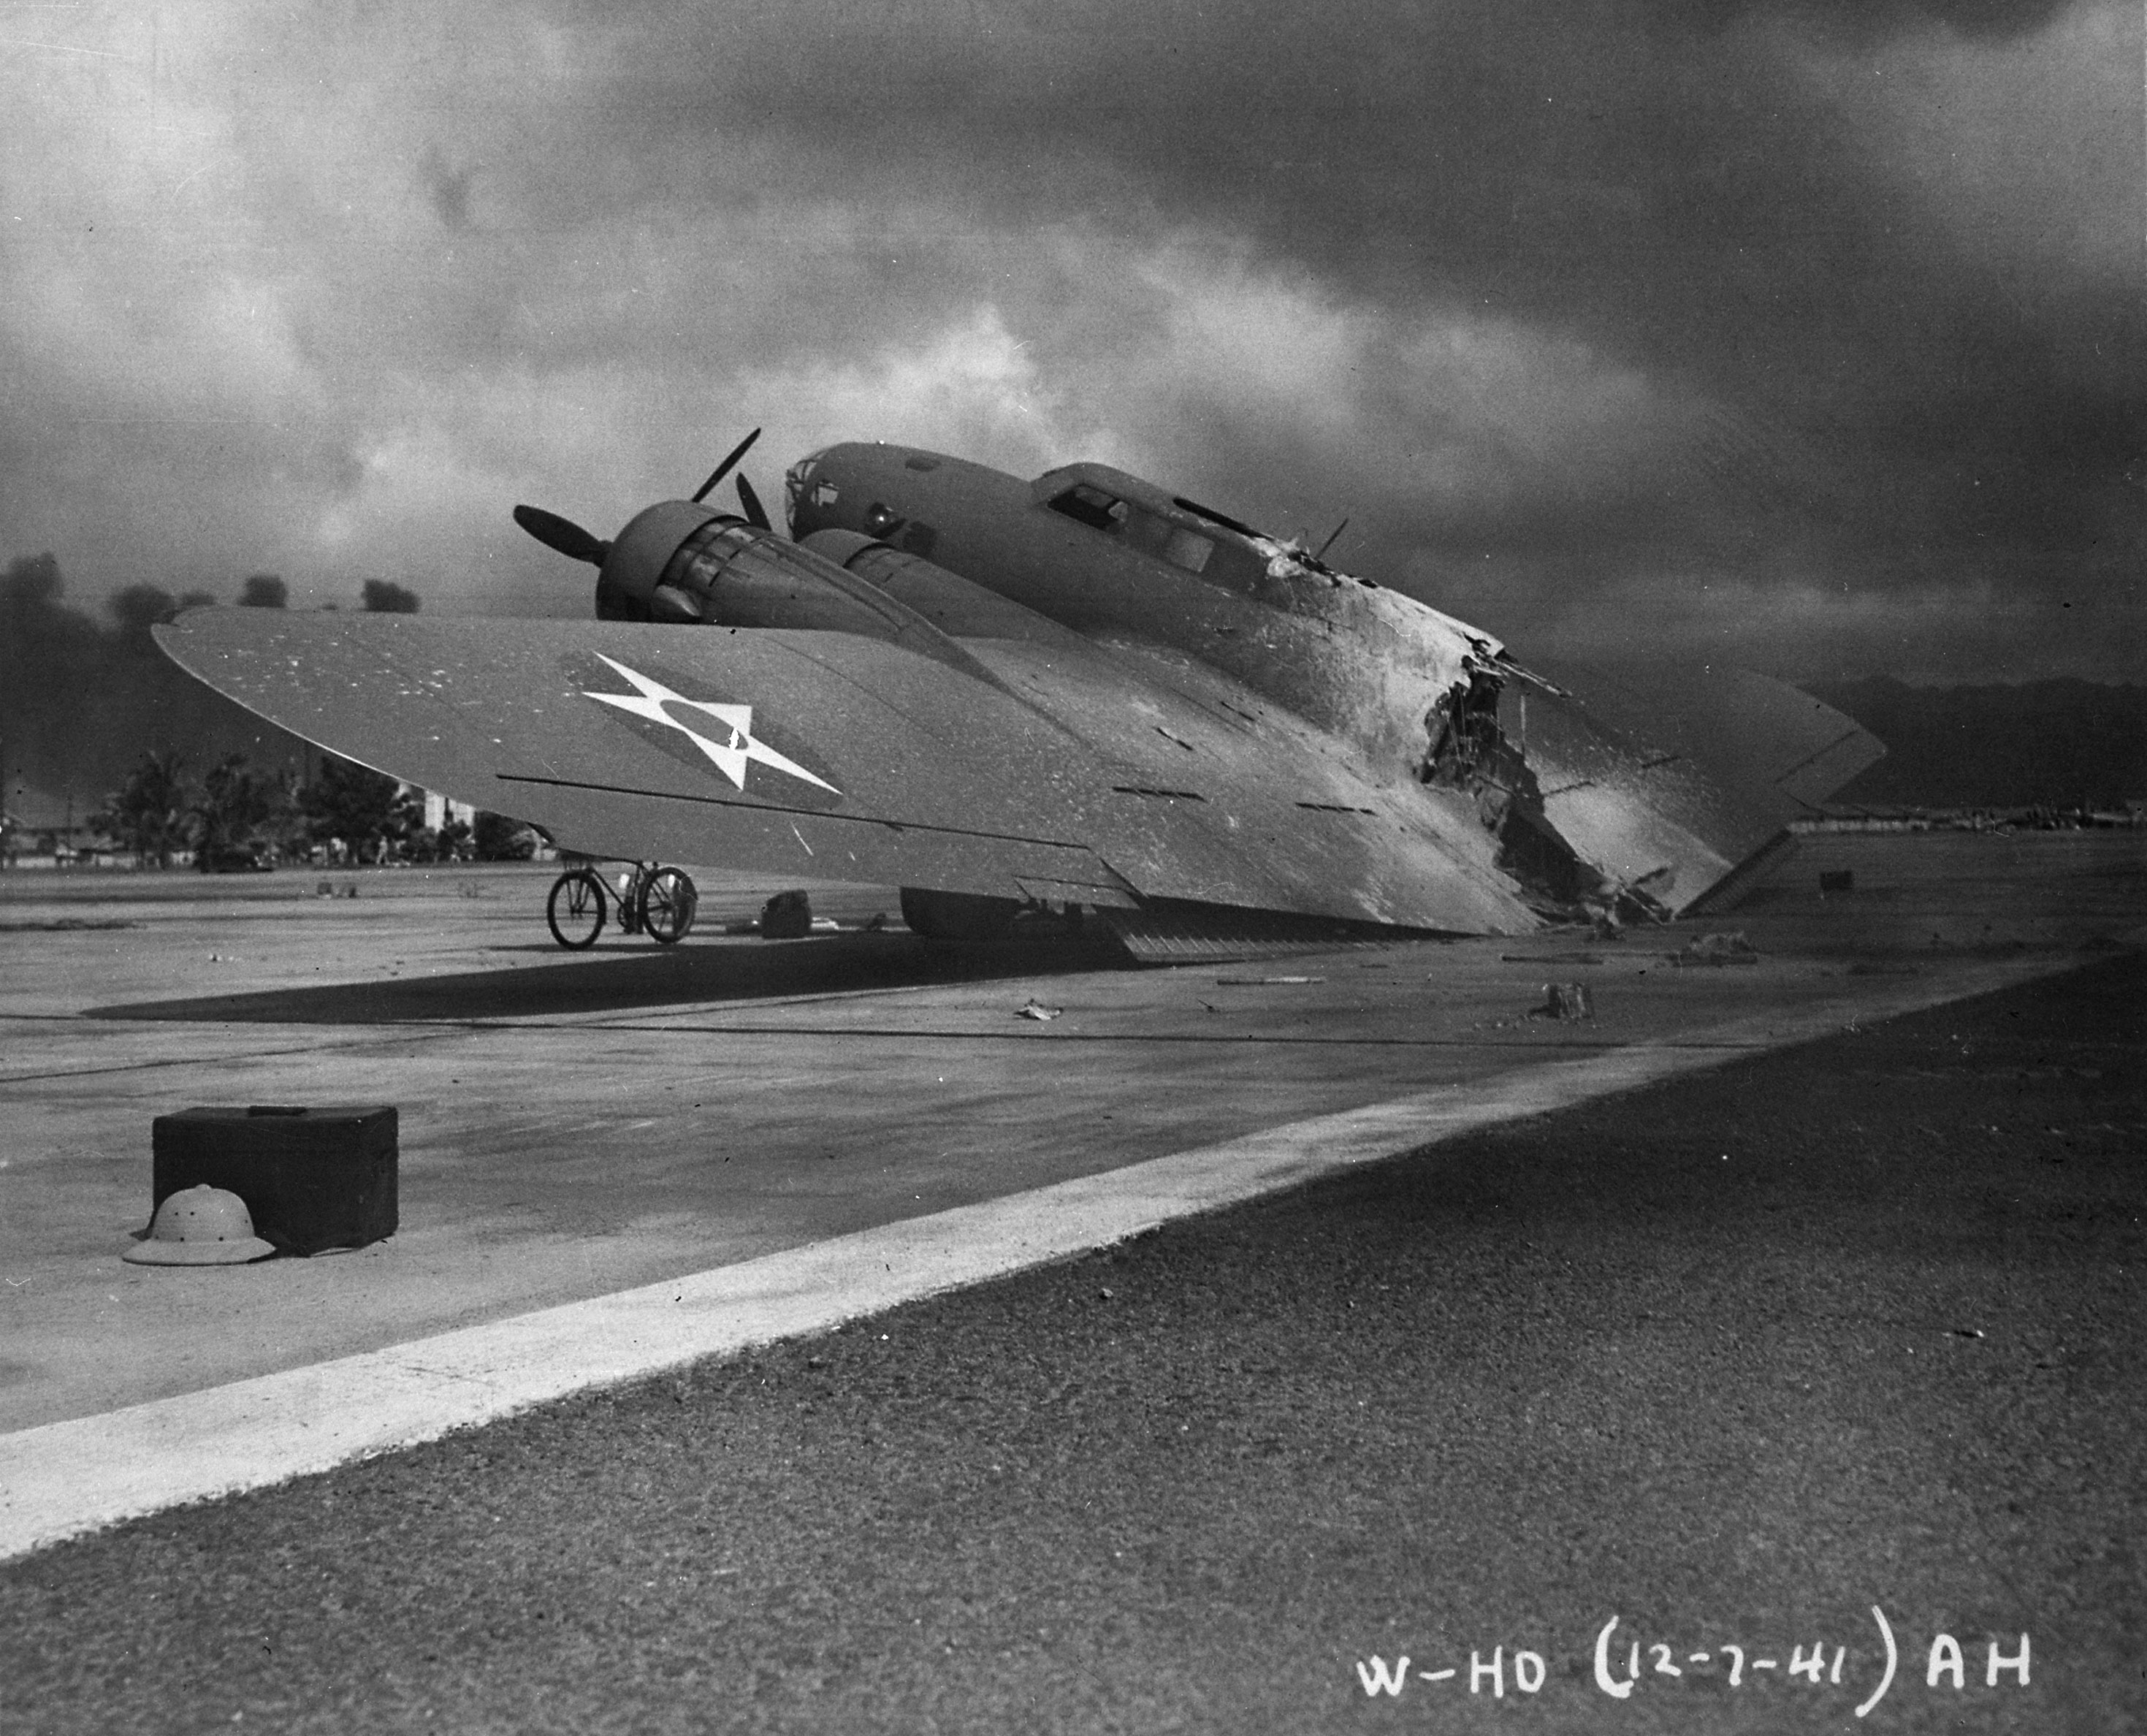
(562,535)
(755,513)
(724,469)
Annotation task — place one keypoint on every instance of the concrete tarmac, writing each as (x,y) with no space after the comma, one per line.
(1799,1394)
(575,1125)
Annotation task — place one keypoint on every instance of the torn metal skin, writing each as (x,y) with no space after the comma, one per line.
(1463,748)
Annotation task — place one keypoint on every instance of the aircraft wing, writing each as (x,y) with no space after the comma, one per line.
(836,756)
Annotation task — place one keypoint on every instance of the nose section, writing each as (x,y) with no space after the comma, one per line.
(801,486)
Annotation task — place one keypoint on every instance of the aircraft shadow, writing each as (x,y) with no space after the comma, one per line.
(645,979)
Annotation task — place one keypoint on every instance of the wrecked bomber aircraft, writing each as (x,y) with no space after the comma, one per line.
(1081,692)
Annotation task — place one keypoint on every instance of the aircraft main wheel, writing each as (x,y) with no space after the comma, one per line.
(959,917)
(575,908)
(667,903)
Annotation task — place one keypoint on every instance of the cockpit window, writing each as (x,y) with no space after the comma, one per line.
(1150,533)
(1180,546)
(1091,507)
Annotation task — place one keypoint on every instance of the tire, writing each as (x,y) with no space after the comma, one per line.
(960,918)
(576,909)
(667,905)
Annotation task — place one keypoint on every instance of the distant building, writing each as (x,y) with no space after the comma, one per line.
(439,809)
(38,829)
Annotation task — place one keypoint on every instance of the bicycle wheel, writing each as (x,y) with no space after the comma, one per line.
(667,903)
(576,909)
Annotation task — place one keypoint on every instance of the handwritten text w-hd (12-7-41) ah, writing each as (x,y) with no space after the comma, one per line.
(1946,1666)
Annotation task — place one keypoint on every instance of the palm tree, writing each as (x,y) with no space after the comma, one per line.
(239,810)
(152,813)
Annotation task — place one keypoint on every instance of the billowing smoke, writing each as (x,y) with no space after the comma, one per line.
(1803,333)
(82,700)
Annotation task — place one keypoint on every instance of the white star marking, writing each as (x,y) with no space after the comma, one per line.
(730,755)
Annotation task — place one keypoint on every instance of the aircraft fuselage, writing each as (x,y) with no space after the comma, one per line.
(1117,559)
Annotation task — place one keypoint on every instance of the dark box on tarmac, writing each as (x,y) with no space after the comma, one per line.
(313,1178)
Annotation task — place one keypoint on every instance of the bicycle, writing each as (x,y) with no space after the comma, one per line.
(652,900)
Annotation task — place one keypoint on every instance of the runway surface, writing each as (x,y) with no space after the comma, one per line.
(1746,1362)
(577,1127)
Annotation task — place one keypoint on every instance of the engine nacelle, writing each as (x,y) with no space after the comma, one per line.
(685,565)
(950,602)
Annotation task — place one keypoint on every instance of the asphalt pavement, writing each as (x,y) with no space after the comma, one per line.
(1827,1355)
(576,1126)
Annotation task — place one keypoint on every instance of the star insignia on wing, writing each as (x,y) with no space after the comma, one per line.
(730,746)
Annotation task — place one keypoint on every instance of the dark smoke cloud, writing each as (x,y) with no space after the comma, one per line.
(1890,377)
(82,702)
(1804,333)
(1865,20)
(382,598)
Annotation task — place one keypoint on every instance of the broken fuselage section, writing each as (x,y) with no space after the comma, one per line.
(1422,706)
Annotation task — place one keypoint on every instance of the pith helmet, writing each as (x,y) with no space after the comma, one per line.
(200,1227)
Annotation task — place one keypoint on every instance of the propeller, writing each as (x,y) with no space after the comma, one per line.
(724,469)
(755,513)
(565,537)
(562,535)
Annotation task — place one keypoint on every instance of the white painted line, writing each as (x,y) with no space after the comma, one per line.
(63,1478)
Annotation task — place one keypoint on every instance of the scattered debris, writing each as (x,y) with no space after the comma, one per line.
(876,923)
(787,916)
(64,924)
(1037,1010)
(1262,981)
(1549,958)
(1566,1001)
(1968,1332)
(1712,949)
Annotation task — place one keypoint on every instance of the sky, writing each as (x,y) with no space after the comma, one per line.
(1806,336)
